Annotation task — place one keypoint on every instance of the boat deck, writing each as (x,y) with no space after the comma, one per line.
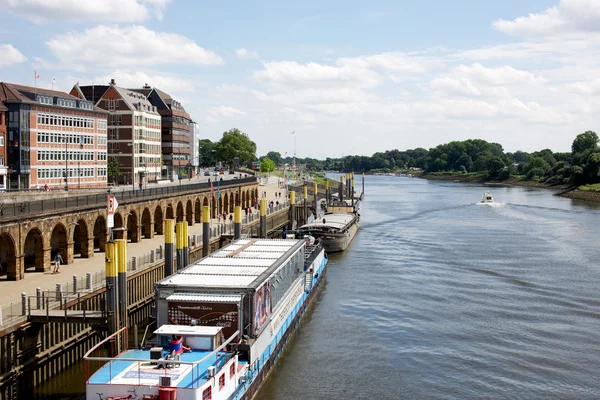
(118,372)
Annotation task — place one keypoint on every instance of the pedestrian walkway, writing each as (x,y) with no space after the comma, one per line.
(10,291)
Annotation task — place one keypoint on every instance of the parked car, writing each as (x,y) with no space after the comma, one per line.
(206,172)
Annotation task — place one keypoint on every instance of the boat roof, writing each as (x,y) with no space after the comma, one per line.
(243,264)
(184,330)
(338,221)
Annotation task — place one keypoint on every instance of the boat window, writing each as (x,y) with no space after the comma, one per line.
(207,394)
(222,381)
(232,370)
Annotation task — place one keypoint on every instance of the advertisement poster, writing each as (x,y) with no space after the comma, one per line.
(262,306)
(207,314)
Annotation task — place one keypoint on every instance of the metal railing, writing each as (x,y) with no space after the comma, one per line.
(16,311)
(26,208)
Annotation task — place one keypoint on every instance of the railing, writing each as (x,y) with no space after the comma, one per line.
(220,355)
(16,311)
(39,206)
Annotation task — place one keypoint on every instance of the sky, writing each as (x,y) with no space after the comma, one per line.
(348,77)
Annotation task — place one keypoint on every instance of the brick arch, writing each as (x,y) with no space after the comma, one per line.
(8,257)
(118,234)
(147,232)
(100,233)
(80,239)
(33,250)
(132,227)
(205,202)
(213,211)
(198,211)
(169,211)
(237,200)
(59,243)
(158,220)
(180,212)
(226,203)
(244,206)
(189,213)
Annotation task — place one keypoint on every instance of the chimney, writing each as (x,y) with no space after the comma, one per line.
(112,82)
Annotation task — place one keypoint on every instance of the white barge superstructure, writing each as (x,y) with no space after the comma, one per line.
(223,321)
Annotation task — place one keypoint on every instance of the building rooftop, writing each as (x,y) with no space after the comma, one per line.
(13,93)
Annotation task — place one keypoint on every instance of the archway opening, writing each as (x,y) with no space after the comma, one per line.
(169,211)
(189,213)
(179,212)
(118,229)
(158,221)
(58,243)
(8,259)
(198,213)
(132,227)
(33,251)
(146,224)
(244,205)
(100,234)
(214,207)
(226,203)
(80,240)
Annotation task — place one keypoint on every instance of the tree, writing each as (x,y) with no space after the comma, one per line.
(236,143)
(267,165)
(585,141)
(207,152)
(275,157)
(113,168)
(494,165)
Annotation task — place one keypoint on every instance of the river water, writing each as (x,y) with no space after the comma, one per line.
(441,298)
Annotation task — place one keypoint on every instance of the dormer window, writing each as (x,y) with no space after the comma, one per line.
(45,99)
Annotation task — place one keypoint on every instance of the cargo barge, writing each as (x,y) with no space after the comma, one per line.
(223,322)
(336,231)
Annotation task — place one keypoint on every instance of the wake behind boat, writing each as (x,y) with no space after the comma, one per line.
(487,198)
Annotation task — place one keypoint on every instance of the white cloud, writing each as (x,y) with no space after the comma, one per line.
(113,46)
(567,18)
(505,75)
(10,56)
(293,73)
(245,54)
(225,112)
(41,11)
(400,66)
(455,86)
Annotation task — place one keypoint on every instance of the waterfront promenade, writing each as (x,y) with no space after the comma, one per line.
(10,291)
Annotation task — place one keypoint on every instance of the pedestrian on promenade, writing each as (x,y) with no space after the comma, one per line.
(57,260)
(141,185)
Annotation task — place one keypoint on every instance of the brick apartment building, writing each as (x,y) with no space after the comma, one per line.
(53,139)
(3,167)
(176,133)
(134,131)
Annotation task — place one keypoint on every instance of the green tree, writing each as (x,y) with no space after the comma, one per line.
(113,168)
(494,165)
(236,143)
(267,165)
(275,157)
(585,141)
(207,153)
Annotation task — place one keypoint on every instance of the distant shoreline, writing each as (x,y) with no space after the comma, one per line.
(562,190)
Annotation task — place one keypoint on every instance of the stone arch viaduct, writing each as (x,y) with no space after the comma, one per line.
(30,242)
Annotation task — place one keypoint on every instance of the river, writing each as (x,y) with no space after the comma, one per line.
(441,298)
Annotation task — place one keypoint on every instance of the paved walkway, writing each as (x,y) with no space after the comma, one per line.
(10,291)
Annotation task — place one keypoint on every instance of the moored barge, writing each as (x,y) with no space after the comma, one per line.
(223,321)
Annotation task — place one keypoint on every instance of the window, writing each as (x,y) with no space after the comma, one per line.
(222,381)
(207,394)
(232,370)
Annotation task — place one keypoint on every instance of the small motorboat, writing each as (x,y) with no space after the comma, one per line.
(487,198)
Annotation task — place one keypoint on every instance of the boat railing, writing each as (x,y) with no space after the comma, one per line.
(221,357)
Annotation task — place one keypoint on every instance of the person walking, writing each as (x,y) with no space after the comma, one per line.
(57,260)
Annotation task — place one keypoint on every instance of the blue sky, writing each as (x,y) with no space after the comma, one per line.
(348,77)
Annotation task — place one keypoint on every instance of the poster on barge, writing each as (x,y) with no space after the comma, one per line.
(207,314)
(262,306)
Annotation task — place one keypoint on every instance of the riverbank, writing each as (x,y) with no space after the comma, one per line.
(562,190)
